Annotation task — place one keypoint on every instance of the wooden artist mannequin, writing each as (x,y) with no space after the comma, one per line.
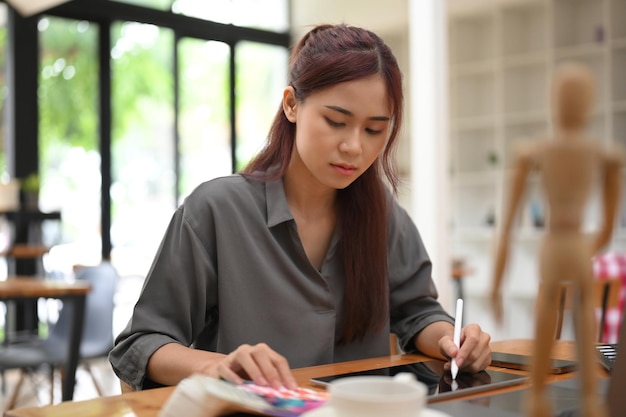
(570,163)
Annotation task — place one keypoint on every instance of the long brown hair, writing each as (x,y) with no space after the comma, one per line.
(328,55)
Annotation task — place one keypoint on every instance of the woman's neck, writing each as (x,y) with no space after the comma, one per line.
(305,194)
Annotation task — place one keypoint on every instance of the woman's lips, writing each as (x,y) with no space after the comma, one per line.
(344,169)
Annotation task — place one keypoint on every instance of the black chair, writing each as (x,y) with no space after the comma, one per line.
(97,339)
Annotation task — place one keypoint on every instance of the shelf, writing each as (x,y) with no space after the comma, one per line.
(479,234)
(473,123)
(474,206)
(582,51)
(619,129)
(530,117)
(473,150)
(578,22)
(473,39)
(473,68)
(620,106)
(476,96)
(485,178)
(503,54)
(619,44)
(524,60)
(617,11)
(618,69)
(524,28)
(525,89)
(514,138)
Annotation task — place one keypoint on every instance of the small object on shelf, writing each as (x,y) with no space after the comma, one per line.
(490,219)
(536,214)
(599,34)
(492,158)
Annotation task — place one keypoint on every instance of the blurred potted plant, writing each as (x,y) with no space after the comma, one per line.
(30,192)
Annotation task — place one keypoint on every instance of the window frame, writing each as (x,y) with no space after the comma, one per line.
(23,62)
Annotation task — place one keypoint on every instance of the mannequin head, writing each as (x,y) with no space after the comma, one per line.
(573,96)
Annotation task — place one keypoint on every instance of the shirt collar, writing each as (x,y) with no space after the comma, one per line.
(277,207)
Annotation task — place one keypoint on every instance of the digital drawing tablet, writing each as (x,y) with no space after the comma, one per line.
(438,381)
(522,362)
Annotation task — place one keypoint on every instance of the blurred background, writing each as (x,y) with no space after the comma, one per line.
(114,110)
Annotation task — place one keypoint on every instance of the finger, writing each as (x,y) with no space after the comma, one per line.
(470,344)
(249,364)
(447,347)
(222,371)
(479,357)
(286,376)
(274,367)
(480,363)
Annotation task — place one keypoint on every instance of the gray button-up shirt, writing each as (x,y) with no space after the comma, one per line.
(232,270)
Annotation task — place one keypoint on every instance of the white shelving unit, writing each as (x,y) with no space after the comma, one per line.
(502,56)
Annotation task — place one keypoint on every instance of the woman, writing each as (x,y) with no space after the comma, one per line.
(304,258)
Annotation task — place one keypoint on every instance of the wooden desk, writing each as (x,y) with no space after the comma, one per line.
(28,288)
(148,403)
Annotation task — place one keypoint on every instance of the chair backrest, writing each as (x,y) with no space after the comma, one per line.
(97,338)
(605,296)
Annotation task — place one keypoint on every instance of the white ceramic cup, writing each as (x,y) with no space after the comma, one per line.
(376,396)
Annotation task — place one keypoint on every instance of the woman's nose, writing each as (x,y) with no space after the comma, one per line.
(351,143)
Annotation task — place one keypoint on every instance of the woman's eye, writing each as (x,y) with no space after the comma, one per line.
(373,131)
(333,123)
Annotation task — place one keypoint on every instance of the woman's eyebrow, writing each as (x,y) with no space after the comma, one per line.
(349,113)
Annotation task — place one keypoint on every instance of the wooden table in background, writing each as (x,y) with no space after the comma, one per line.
(29,288)
(25,252)
(148,403)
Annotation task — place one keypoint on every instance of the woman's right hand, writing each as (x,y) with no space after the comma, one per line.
(258,363)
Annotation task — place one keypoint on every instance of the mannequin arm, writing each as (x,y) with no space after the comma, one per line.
(611,189)
(516,193)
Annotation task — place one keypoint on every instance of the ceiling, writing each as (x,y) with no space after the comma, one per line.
(30,7)
(388,18)
(385,18)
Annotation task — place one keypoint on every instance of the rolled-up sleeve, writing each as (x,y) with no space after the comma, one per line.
(413,296)
(177,293)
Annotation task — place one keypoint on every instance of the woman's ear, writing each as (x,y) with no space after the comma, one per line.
(290,103)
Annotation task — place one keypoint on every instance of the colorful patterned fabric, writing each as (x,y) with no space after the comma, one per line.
(292,402)
(611,266)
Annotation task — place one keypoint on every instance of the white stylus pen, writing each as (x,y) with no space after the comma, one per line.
(458,323)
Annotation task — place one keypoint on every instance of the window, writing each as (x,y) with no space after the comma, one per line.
(260,14)
(261,75)
(156,4)
(69,158)
(4,174)
(143,176)
(3,88)
(205,139)
(137,107)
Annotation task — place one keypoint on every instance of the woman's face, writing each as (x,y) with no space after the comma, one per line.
(341,130)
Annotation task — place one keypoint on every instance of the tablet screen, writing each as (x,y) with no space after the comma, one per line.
(438,381)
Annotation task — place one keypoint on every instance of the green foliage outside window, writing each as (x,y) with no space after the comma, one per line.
(68,84)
